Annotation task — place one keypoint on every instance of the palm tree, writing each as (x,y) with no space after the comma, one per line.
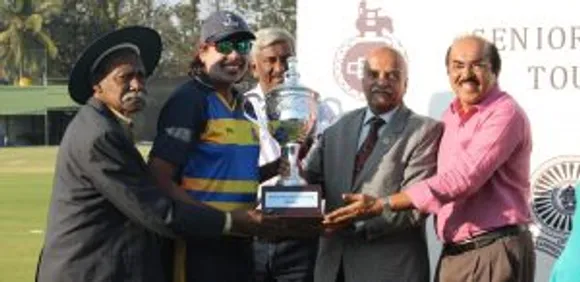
(24,43)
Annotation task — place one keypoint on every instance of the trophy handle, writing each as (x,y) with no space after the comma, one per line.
(323,120)
(330,100)
(247,103)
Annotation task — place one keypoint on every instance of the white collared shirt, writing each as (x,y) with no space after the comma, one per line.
(366,127)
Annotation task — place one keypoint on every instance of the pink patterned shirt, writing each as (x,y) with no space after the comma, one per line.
(482,179)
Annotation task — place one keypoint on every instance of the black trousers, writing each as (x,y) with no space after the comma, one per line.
(226,259)
(285,261)
(340,275)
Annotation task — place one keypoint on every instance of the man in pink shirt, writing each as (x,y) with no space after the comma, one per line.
(480,193)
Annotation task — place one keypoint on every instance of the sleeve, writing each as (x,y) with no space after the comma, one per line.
(313,162)
(181,122)
(421,164)
(491,145)
(119,174)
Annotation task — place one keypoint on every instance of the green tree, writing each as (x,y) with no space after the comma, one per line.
(268,13)
(25,43)
(79,23)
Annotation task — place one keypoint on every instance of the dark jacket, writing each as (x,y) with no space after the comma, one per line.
(106,219)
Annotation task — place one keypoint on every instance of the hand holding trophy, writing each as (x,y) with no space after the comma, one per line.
(292,110)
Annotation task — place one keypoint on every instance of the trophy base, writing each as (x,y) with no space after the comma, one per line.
(294,203)
(298,208)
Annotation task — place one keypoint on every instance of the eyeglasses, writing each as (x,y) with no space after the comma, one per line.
(477,67)
(226,47)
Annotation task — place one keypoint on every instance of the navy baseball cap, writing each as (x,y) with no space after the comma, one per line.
(225,24)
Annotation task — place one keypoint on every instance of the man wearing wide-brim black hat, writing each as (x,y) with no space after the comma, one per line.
(106,217)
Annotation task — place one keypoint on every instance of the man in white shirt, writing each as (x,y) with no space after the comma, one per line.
(283,259)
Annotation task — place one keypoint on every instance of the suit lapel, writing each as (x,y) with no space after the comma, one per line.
(350,145)
(393,128)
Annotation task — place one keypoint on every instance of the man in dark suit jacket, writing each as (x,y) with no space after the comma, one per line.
(392,148)
(106,218)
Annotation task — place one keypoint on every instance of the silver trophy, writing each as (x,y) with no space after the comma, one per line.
(293,116)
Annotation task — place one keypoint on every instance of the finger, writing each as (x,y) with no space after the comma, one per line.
(349,197)
(332,217)
(344,219)
(341,217)
(349,209)
(329,218)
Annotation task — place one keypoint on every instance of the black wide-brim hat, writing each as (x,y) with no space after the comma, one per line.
(144,40)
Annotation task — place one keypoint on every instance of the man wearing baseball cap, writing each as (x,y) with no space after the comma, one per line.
(205,140)
(106,217)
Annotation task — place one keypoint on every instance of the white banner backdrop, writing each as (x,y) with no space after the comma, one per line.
(539,43)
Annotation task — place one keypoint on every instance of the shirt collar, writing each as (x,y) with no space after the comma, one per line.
(121,117)
(256,90)
(385,116)
(203,80)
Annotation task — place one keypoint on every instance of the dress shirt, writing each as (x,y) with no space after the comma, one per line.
(483,167)
(366,125)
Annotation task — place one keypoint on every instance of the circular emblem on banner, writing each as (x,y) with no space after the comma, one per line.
(553,201)
(374,30)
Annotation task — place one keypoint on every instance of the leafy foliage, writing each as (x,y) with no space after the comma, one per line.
(31,29)
(24,41)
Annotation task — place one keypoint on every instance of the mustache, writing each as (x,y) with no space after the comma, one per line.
(133,96)
(470,79)
(381,89)
(277,77)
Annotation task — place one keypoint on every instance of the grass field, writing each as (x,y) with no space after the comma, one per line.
(25,187)
(25,184)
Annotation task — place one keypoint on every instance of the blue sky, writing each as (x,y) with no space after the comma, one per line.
(168,1)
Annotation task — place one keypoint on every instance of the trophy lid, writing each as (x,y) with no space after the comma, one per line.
(291,80)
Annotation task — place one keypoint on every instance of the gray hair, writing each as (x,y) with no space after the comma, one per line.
(268,36)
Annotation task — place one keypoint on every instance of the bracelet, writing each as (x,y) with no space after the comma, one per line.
(227,223)
(387,204)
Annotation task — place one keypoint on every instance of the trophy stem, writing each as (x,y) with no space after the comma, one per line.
(290,151)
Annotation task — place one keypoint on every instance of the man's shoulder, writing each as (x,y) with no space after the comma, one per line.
(422,124)
(508,103)
(347,117)
(422,119)
(91,119)
(187,97)
(506,108)
(189,90)
(343,122)
(88,126)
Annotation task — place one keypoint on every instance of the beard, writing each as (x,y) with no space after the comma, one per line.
(139,120)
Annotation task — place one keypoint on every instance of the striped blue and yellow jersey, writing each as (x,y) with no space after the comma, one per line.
(222,169)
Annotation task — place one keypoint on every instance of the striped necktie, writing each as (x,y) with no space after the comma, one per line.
(367,146)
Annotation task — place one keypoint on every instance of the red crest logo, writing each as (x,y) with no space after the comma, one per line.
(374,30)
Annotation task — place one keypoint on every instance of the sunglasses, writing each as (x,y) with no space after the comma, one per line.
(226,47)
